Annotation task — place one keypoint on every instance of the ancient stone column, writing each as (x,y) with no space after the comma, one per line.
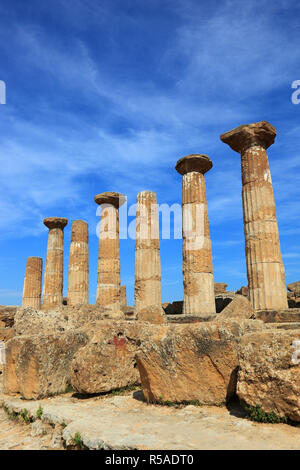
(123,297)
(109,279)
(198,279)
(53,278)
(147,289)
(78,280)
(265,269)
(33,283)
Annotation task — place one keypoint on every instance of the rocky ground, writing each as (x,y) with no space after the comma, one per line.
(16,436)
(127,422)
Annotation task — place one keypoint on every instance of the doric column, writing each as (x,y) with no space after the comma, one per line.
(78,281)
(198,279)
(265,269)
(109,279)
(33,283)
(147,289)
(53,278)
(123,297)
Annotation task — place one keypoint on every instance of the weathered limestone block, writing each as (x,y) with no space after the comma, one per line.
(53,278)
(6,334)
(147,288)
(269,373)
(294,286)
(7,314)
(198,280)
(32,290)
(265,270)
(193,362)
(109,280)
(64,318)
(39,366)
(108,360)
(220,287)
(154,314)
(174,308)
(243,291)
(291,315)
(123,298)
(239,308)
(78,279)
(222,300)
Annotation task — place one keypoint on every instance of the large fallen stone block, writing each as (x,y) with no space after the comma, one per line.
(193,362)
(6,334)
(240,307)
(294,286)
(222,300)
(108,360)
(174,308)
(269,373)
(244,290)
(220,287)
(7,314)
(39,366)
(29,321)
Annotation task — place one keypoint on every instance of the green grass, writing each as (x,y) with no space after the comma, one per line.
(256,413)
(77,441)
(25,416)
(39,412)
(69,389)
(123,390)
(176,404)
(12,415)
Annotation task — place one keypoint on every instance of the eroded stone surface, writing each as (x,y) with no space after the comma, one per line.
(265,270)
(192,362)
(39,366)
(220,287)
(147,288)
(53,277)
(109,280)
(294,287)
(108,360)
(78,279)
(269,374)
(240,307)
(32,290)
(197,267)
(126,422)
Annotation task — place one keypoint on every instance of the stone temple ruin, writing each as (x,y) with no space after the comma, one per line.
(211,347)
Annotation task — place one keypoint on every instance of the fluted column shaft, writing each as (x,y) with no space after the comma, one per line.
(53,279)
(33,283)
(123,297)
(147,289)
(78,279)
(109,279)
(198,279)
(265,270)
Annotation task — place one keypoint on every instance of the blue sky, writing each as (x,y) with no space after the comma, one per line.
(106,95)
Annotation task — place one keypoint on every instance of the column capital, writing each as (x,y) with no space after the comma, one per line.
(248,135)
(194,162)
(114,199)
(55,222)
